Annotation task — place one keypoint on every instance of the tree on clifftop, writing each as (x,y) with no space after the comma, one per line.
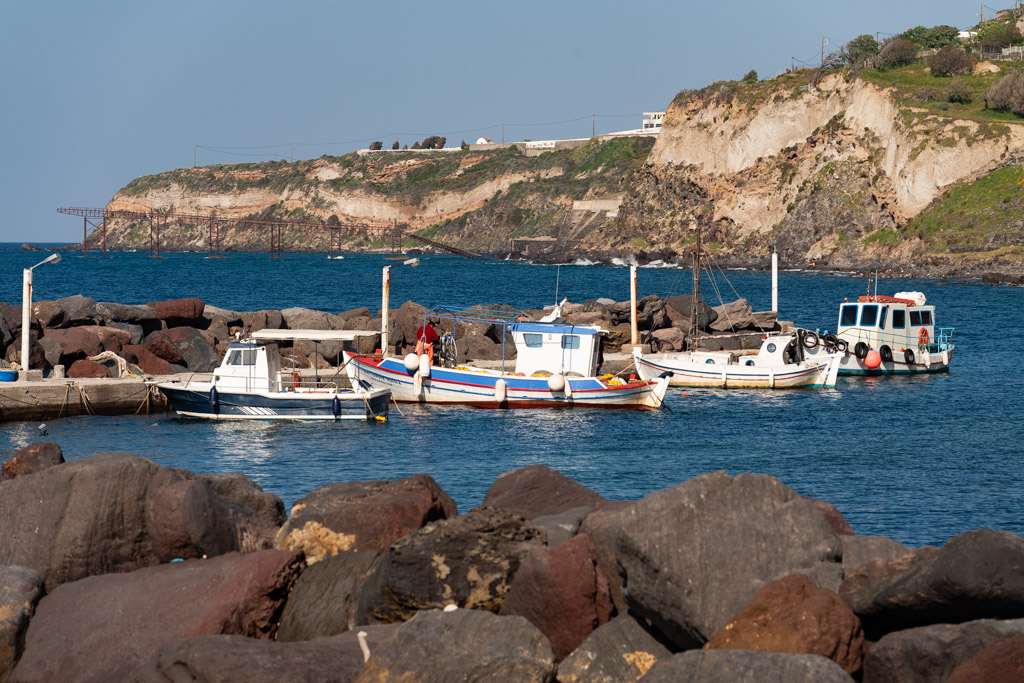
(931,38)
(374,146)
(951,61)
(860,48)
(395,146)
(434,142)
(897,51)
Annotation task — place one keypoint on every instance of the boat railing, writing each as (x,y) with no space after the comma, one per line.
(943,339)
(291,383)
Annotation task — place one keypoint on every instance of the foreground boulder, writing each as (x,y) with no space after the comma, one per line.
(729,666)
(20,590)
(857,550)
(323,601)
(102,627)
(236,658)
(722,538)
(467,561)
(931,653)
(976,575)
(32,458)
(793,615)
(562,592)
(537,491)
(462,645)
(363,515)
(617,652)
(1001,662)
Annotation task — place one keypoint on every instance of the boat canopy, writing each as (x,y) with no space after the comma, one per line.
(556,328)
(310,335)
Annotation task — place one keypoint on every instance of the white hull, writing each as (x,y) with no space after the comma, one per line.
(687,372)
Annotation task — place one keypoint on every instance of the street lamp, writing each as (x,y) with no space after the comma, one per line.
(26,306)
(385,300)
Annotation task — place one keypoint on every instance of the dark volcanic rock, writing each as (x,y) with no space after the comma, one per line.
(537,491)
(20,590)
(617,652)
(363,515)
(338,659)
(135,333)
(263,320)
(834,518)
(307,319)
(323,601)
(49,314)
(193,348)
(179,311)
(793,615)
(32,458)
(723,538)
(247,493)
(102,627)
(1001,662)
(463,645)
(729,666)
(602,526)
(410,317)
(162,346)
(78,309)
(87,369)
(931,653)
(112,312)
(111,338)
(683,305)
(860,549)
(75,343)
(477,347)
(562,526)
(977,575)
(562,592)
(467,561)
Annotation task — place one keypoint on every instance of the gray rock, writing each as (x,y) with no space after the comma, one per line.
(52,350)
(195,351)
(227,317)
(860,549)
(976,575)
(112,312)
(463,645)
(928,654)
(20,591)
(537,491)
(694,554)
(732,316)
(6,335)
(262,320)
(307,319)
(78,309)
(134,330)
(323,601)
(748,666)
(619,651)
(242,490)
(562,526)
(49,314)
(360,312)
(683,305)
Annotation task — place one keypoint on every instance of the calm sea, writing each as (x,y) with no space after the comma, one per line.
(919,459)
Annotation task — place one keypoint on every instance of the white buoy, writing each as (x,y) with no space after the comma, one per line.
(425,365)
(411,362)
(417,384)
(556,382)
(568,389)
(500,391)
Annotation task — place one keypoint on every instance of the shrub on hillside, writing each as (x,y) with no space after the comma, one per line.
(995,35)
(931,38)
(724,94)
(1008,93)
(751,77)
(375,145)
(951,61)
(434,142)
(958,92)
(897,51)
(395,146)
(860,48)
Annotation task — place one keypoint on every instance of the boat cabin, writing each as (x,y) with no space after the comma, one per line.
(557,348)
(899,322)
(249,365)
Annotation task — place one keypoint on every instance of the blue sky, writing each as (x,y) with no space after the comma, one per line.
(95,94)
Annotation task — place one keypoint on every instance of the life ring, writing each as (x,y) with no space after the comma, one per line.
(860,350)
(886,353)
(908,356)
(841,345)
(810,340)
(922,338)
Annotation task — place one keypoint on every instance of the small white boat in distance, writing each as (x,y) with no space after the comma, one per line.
(889,335)
(249,385)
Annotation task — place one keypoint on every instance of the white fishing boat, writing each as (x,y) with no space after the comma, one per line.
(250,385)
(887,335)
(781,361)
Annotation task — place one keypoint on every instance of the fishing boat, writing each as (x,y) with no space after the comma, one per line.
(250,385)
(556,365)
(781,362)
(888,335)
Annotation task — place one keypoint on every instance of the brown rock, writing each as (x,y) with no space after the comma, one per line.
(162,346)
(1001,662)
(49,314)
(86,368)
(148,362)
(537,491)
(363,515)
(32,458)
(179,311)
(111,338)
(562,592)
(602,527)
(102,627)
(793,615)
(75,343)
(323,601)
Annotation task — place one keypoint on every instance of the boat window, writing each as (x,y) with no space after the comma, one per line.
(881,320)
(848,315)
(868,316)
(242,357)
(926,317)
(571,341)
(915,318)
(899,319)
(533,340)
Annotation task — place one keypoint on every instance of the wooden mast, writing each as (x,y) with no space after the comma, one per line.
(691,341)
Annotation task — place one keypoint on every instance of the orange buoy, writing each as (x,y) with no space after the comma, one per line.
(873,359)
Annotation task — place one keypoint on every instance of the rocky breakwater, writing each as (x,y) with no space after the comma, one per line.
(115,568)
(101,340)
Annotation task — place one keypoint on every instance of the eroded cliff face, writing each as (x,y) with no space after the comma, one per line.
(826,174)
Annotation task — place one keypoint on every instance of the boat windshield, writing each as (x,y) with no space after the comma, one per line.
(241,357)
(868,316)
(848,316)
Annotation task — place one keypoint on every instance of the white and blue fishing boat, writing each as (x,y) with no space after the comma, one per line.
(250,385)
(556,365)
(887,335)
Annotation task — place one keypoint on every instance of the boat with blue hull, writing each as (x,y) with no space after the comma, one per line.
(249,385)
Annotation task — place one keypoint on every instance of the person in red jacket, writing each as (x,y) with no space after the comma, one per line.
(425,338)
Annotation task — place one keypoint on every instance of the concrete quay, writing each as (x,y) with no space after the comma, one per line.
(52,398)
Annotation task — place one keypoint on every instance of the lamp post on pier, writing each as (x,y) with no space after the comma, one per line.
(385,301)
(26,306)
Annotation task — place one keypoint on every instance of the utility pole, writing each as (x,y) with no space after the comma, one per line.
(292,157)
(824,42)
(193,156)
(981,13)
(593,125)
(503,133)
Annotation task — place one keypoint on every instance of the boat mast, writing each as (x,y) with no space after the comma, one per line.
(692,340)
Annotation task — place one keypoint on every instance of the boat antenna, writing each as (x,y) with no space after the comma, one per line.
(696,292)
(558,272)
(876,282)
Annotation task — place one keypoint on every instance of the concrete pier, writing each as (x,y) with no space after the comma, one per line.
(48,399)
